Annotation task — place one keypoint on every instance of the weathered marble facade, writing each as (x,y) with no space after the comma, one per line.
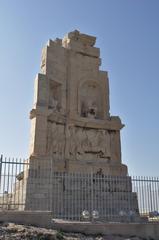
(70,119)
(75,149)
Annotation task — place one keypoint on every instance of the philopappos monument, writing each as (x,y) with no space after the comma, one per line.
(72,132)
(70,119)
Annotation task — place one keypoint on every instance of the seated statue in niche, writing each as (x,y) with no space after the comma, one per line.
(92,110)
(89,109)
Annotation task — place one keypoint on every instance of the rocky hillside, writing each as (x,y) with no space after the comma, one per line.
(13,231)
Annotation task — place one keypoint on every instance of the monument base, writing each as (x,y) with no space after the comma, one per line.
(68,189)
(80,166)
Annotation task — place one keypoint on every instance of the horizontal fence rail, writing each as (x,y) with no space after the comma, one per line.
(35,185)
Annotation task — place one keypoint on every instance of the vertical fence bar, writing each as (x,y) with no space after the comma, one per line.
(74,196)
(58,194)
(152,187)
(7,187)
(102,198)
(53,190)
(68,194)
(156,195)
(22,183)
(4,182)
(142,197)
(12,180)
(138,191)
(50,193)
(118,197)
(78,197)
(129,187)
(148,196)
(63,195)
(1,160)
(75,191)
(105,199)
(132,188)
(115,197)
(85,196)
(18,190)
(153,181)
(78,202)
(81,196)
(135,187)
(16,197)
(151,198)
(70,204)
(108,196)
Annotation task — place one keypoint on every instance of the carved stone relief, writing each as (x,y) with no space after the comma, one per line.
(55,140)
(77,143)
(90,143)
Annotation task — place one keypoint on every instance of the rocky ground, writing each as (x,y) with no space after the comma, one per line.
(14,231)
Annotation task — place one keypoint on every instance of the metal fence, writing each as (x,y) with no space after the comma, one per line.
(77,196)
(12,183)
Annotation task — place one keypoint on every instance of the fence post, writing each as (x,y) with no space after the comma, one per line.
(1,159)
(92,196)
(51,187)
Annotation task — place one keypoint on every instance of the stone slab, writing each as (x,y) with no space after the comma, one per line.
(36,218)
(144,230)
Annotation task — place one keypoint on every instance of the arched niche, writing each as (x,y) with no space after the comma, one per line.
(90,100)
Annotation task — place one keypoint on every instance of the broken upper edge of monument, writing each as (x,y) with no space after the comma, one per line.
(78,42)
(85,39)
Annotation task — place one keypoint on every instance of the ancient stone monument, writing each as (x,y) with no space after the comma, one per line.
(70,119)
(72,132)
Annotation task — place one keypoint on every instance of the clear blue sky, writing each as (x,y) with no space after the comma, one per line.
(128,34)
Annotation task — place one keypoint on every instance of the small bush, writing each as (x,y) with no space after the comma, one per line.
(59,235)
